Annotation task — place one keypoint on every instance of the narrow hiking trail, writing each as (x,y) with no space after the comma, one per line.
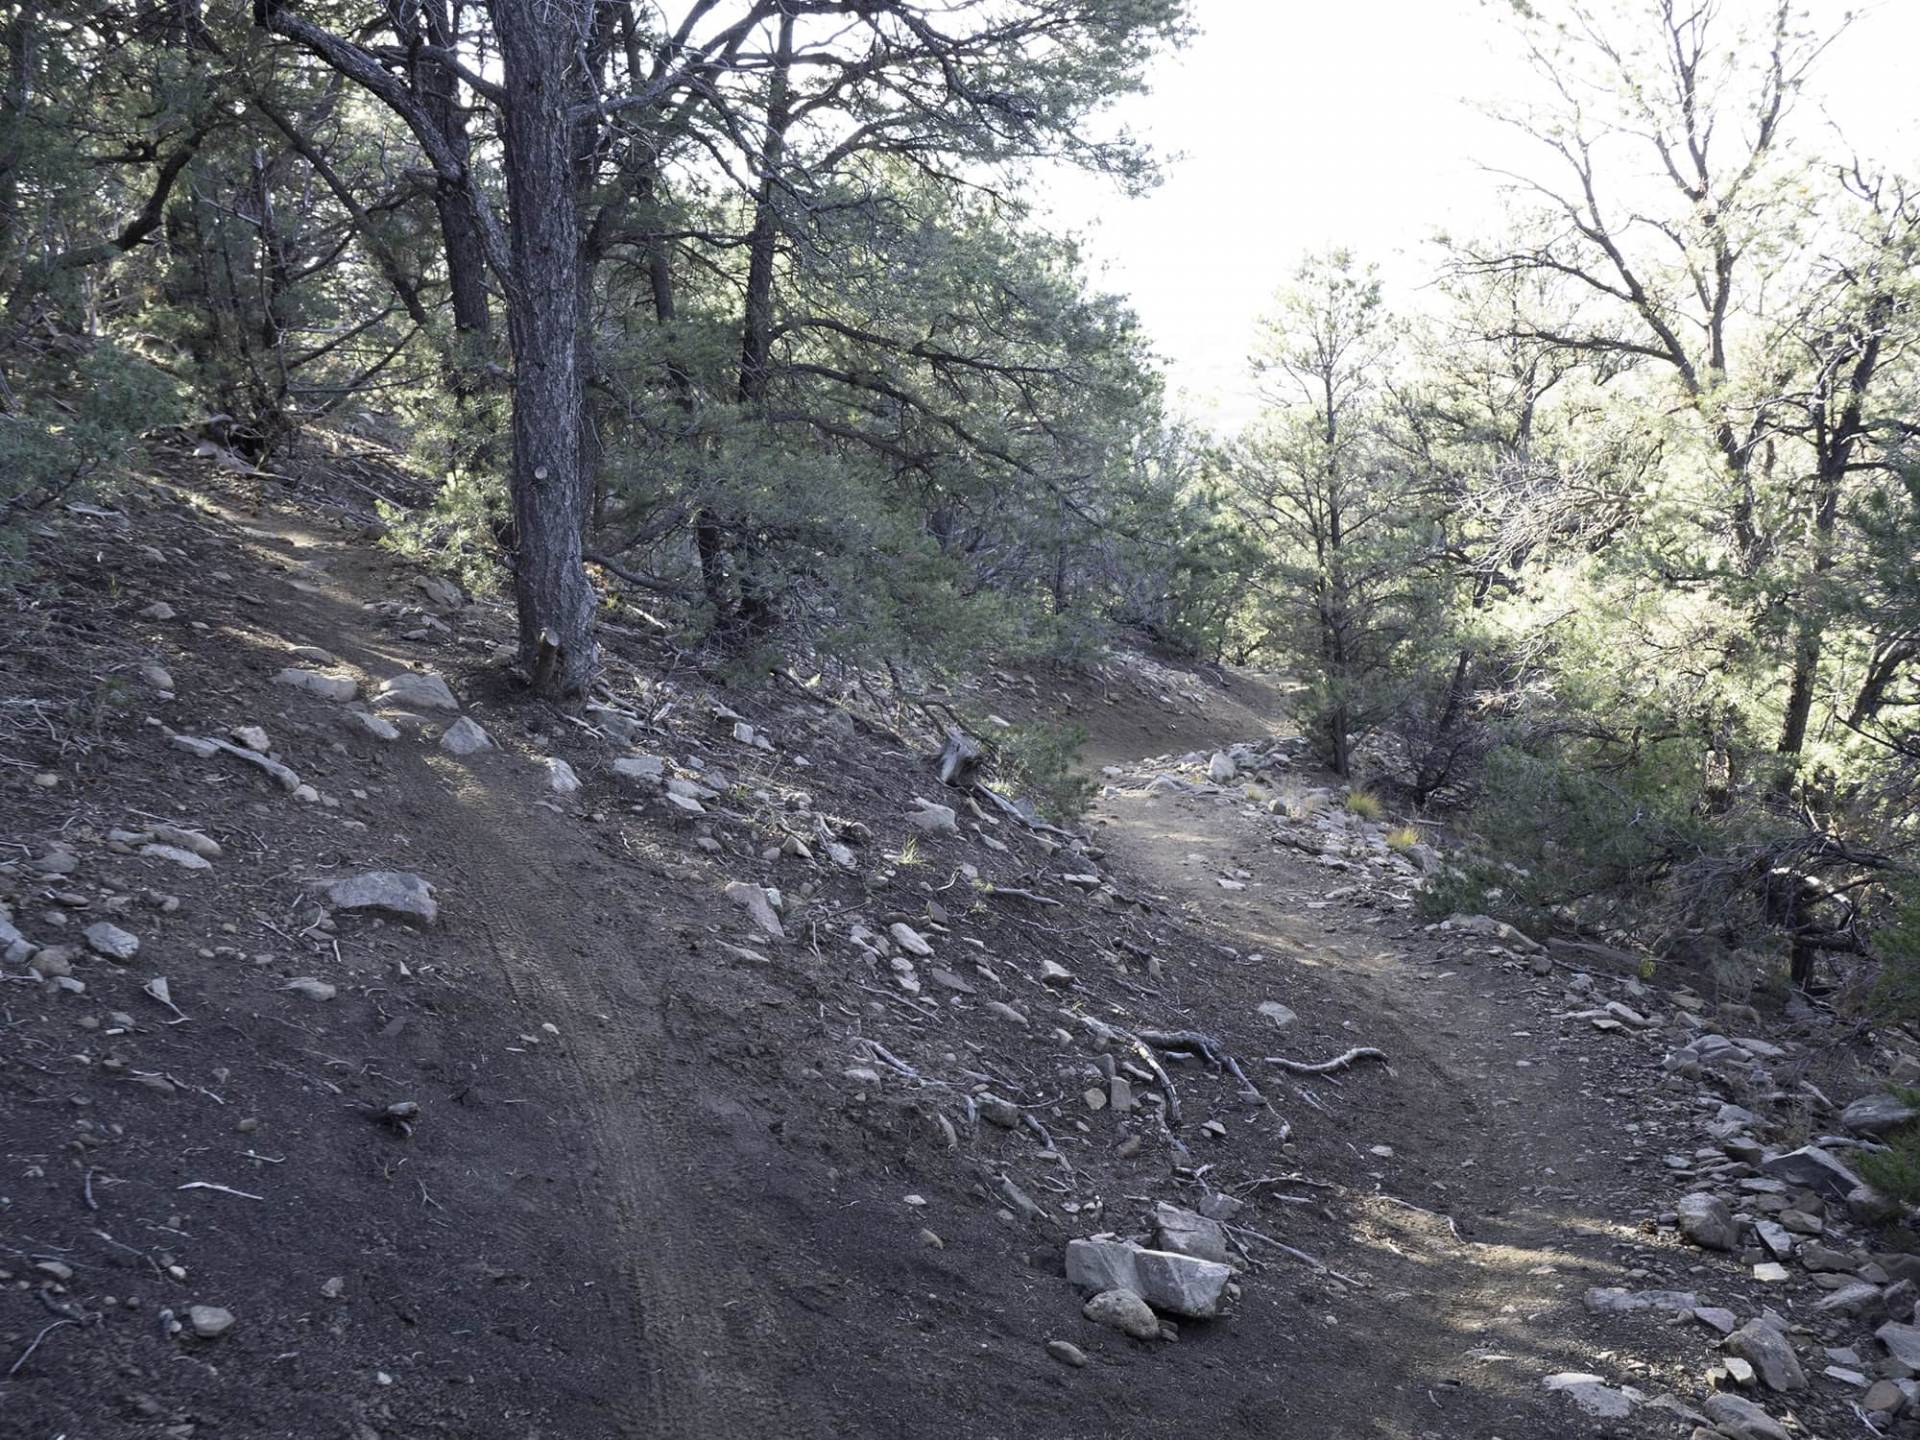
(1501,1154)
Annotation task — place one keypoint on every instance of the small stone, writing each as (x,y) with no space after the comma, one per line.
(649,768)
(209,1321)
(909,940)
(1067,1353)
(561,778)
(1124,1311)
(252,737)
(1715,1317)
(112,942)
(1276,1014)
(1884,1396)
(312,988)
(758,905)
(158,610)
(185,859)
(1770,1272)
(1591,1394)
(333,1287)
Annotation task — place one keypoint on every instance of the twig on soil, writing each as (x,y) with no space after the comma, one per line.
(1327,1067)
(223,1189)
(1312,1262)
(86,1189)
(27,1354)
(1422,1210)
(1112,1034)
(1210,1050)
(1008,892)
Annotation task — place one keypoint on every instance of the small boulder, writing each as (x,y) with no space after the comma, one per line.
(111,941)
(464,737)
(910,940)
(316,682)
(1812,1168)
(1877,1115)
(1186,1233)
(934,819)
(1739,1419)
(1770,1353)
(1706,1220)
(759,907)
(420,688)
(650,769)
(391,892)
(561,778)
(367,723)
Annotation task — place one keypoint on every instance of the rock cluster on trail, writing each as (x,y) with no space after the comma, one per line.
(1177,1284)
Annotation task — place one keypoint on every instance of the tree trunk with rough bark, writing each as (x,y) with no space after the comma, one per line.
(539,49)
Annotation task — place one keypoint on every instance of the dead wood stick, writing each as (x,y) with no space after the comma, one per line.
(1208,1049)
(1009,808)
(1311,1261)
(1114,1034)
(1010,893)
(1327,1067)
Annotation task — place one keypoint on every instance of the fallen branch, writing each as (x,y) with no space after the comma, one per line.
(1192,1042)
(223,1189)
(1113,1034)
(1313,1262)
(1327,1067)
(1010,808)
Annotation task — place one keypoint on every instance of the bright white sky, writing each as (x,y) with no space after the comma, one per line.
(1303,124)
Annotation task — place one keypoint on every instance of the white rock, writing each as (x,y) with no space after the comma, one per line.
(560,777)
(209,1320)
(252,737)
(315,682)
(415,687)
(204,846)
(158,610)
(1592,1394)
(312,988)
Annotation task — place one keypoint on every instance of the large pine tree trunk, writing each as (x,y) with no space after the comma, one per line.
(540,42)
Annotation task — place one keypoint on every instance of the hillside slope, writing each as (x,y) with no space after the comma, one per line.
(620,1143)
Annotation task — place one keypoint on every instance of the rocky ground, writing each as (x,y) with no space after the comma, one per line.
(385,1056)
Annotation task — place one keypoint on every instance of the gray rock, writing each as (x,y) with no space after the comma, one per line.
(648,768)
(934,819)
(1177,1284)
(311,987)
(209,1321)
(560,777)
(463,737)
(1185,1233)
(1612,1300)
(420,688)
(1739,1419)
(1592,1394)
(1067,1353)
(1770,1353)
(391,892)
(1221,769)
(1902,1342)
(112,942)
(317,682)
(1715,1317)
(1276,1014)
(1814,1169)
(1825,1259)
(185,859)
(1775,1237)
(910,940)
(251,736)
(204,846)
(1856,1299)
(1124,1311)
(1877,1115)
(1706,1220)
(378,726)
(758,905)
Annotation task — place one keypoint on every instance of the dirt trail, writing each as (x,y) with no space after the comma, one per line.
(1504,1195)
